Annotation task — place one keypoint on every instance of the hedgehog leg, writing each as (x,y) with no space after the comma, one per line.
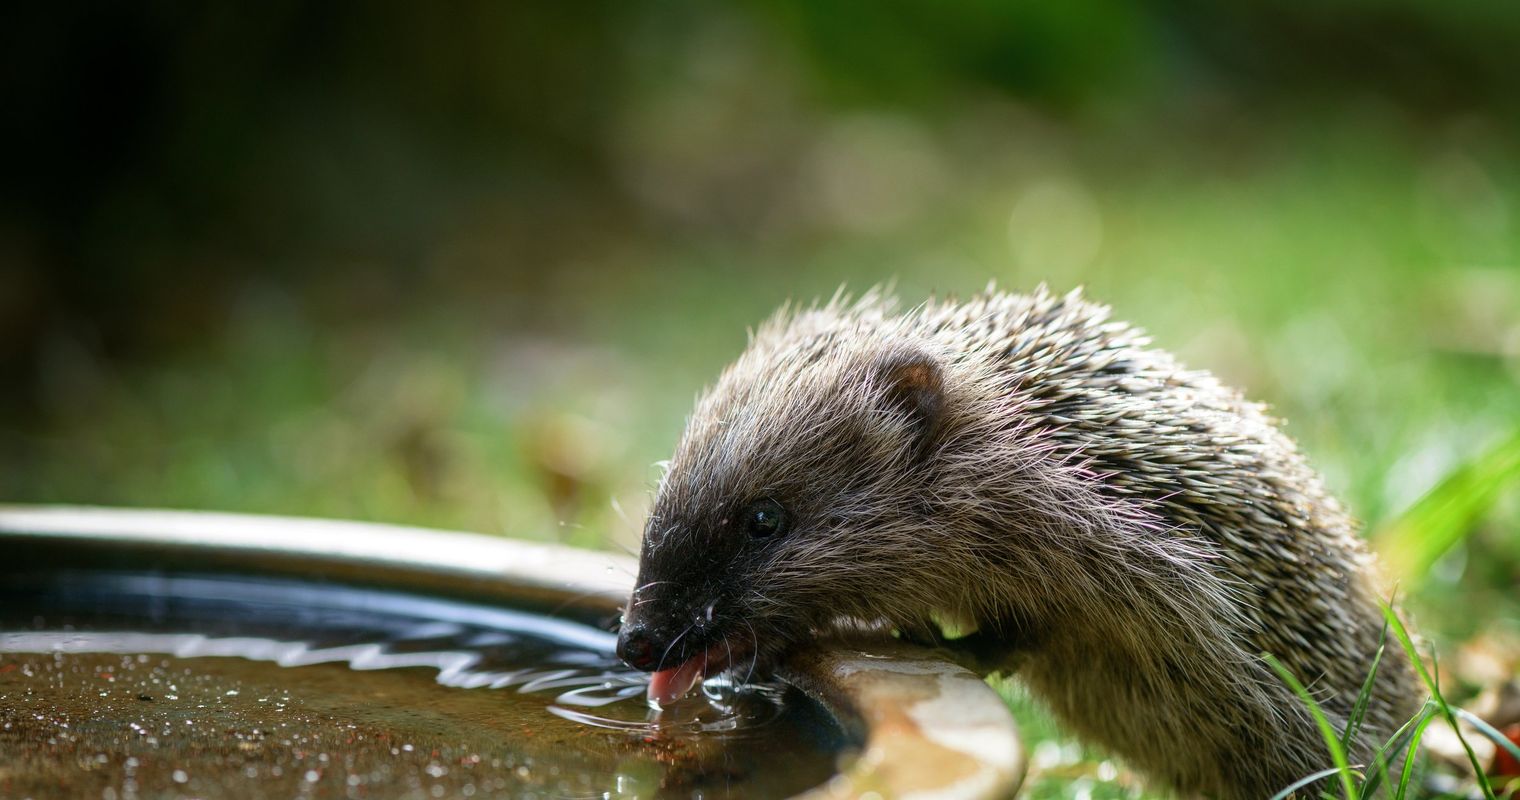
(926,635)
(982,652)
(986,653)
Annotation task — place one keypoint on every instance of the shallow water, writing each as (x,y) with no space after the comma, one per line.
(121,685)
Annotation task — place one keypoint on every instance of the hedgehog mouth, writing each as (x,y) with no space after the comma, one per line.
(666,686)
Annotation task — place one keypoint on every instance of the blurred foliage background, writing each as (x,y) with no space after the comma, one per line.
(467,265)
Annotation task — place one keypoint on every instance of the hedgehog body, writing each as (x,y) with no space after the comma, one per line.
(1126,535)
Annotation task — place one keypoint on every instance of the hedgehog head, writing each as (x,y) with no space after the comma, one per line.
(793,502)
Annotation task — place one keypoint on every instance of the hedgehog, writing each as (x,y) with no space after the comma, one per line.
(1033,485)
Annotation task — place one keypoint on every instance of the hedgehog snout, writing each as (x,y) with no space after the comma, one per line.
(655,633)
(636,647)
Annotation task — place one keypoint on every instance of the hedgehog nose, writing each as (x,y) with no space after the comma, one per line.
(636,647)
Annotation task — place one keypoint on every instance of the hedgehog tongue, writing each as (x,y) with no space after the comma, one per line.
(670,685)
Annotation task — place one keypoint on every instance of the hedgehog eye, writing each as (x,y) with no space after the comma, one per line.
(764,518)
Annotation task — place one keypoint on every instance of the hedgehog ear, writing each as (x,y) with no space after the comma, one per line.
(915,386)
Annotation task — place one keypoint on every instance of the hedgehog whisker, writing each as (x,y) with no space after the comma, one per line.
(673,643)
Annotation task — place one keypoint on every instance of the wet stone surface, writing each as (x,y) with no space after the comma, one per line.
(117,687)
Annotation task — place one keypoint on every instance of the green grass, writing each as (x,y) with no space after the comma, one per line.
(1441,519)
(1439,699)
(1358,782)
(1333,738)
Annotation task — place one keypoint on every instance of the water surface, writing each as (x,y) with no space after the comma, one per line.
(140,685)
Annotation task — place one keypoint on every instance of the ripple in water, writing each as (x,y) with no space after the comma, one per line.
(470,646)
(172,685)
(616,693)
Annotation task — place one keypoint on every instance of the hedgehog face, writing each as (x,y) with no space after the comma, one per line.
(770,524)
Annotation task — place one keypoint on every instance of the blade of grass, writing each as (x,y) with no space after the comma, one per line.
(1435,692)
(1395,745)
(1490,731)
(1359,708)
(1332,740)
(1414,747)
(1305,781)
(1445,515)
